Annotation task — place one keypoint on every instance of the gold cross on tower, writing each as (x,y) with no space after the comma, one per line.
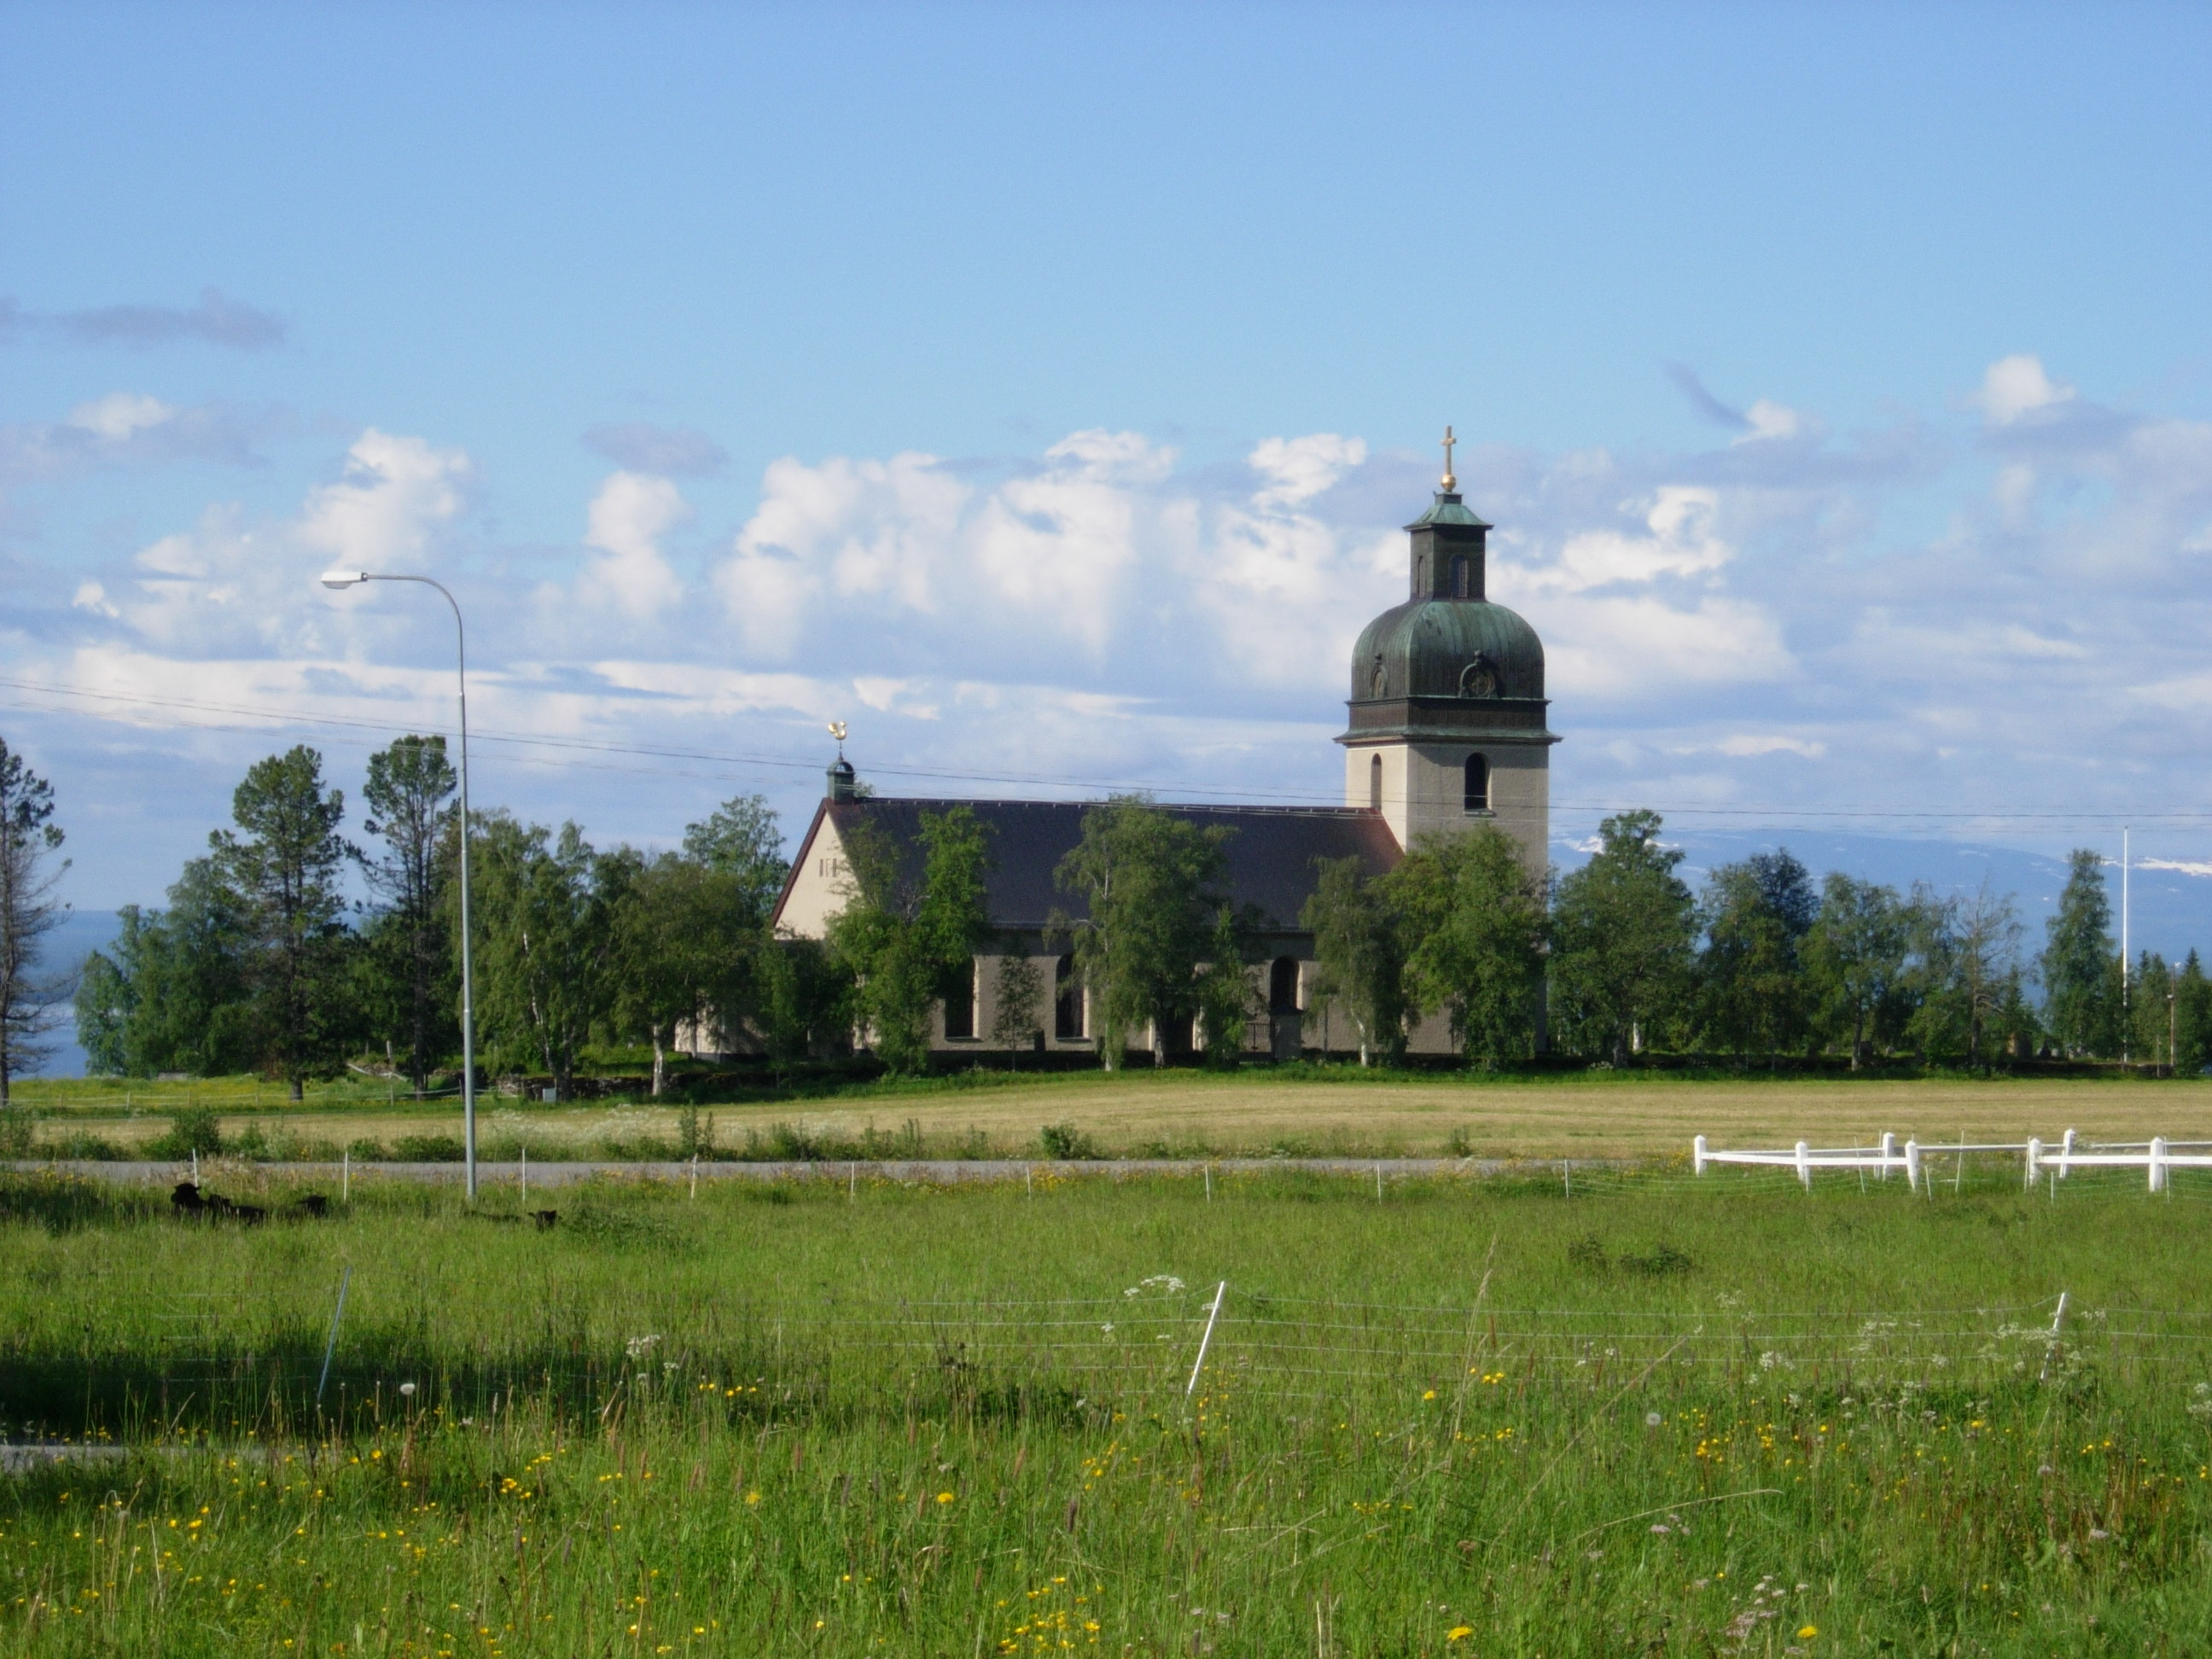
(1450,483)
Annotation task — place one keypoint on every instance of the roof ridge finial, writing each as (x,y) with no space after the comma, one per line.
(1450,483)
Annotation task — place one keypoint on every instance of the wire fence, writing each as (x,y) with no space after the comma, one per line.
(231,1361)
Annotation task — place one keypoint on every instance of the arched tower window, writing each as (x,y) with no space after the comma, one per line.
(1066,1001)
(1459,587)
(1282,986)
(1374,783)
(1478,784)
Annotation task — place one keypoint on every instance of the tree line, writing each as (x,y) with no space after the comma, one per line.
(1759,964)
(260,962)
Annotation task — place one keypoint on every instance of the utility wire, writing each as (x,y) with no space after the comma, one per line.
(583,745)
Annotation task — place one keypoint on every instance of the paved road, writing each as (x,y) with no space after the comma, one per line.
(941,1171)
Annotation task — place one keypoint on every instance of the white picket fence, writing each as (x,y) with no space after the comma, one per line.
(2156,1157)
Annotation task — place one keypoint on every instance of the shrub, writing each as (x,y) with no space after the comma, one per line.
(1065,1143)
(369,1152)
(194,1129)
(15,1124)
(431,1148)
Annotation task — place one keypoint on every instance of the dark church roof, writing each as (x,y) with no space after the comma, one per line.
(1271,857)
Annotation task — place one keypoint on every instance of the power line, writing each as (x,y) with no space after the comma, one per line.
(1753,811)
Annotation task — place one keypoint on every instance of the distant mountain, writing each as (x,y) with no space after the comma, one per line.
(2170,904)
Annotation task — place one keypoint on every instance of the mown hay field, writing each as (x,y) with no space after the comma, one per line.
(1463,1417)
(1311,1110)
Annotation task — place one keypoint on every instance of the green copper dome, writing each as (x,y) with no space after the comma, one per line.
(1467,648)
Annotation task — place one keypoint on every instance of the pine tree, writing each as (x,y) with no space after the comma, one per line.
(2081,981)
(283,867)
(30,1000)
(411,949)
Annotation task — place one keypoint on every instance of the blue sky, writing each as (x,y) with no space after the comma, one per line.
(1039,389)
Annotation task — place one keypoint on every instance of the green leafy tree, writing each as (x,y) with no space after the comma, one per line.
(689,940)
(1623,928)
(1754,995)
(409,949)
(908,936)
(1018,1010)
(1155,890)
(283,864)
(551,966)
(1473,915)
(171,993)
(1854,955)
(1972,1001)
(808,999)
(2081,983)
(1359,957)
(31,999)
(741,840)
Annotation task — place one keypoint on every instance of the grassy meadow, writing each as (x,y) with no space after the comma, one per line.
(1300,1110)
(1465,1416)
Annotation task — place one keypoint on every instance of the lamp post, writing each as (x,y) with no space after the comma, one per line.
(344,578)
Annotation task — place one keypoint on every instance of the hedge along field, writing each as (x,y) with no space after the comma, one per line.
(1659,1416)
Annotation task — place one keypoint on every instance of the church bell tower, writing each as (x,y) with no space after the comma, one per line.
(1446,707)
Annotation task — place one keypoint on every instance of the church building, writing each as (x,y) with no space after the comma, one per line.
(1446,730)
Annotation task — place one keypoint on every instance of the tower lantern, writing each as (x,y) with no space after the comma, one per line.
(1447,726)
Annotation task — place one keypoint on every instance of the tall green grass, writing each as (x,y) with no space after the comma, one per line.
(1662,1416)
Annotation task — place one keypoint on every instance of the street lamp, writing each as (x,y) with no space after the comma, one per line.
(344,578)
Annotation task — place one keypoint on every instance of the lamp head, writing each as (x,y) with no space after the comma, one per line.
(340,579)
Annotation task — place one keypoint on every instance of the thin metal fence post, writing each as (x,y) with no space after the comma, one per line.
(331,1346)
(695,1179)
(1206,1340)
(526,1173)
(1209,1183)
(345,1176)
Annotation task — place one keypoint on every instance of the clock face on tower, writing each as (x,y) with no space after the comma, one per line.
(1479,678)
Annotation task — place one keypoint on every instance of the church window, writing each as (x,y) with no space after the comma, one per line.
(960,1002)
(1066,1001)
(1282,986)
(1375,784)
(1478,784)
(1459,587)
(1377,680)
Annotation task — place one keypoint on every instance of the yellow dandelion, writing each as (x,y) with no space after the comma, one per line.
(1459,1632)
(752,1498)
(944,1498)
(1808,1632)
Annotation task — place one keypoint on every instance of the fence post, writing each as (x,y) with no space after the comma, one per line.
(1206,1341)
(2051,1347)
(1889,1150)
(2158,1164)
(1697,1155)
(331,1346)
(345,1176)
(2066,1156)
(1912,1164)
(1805,1165)
(2034,1157)
(526,1173)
